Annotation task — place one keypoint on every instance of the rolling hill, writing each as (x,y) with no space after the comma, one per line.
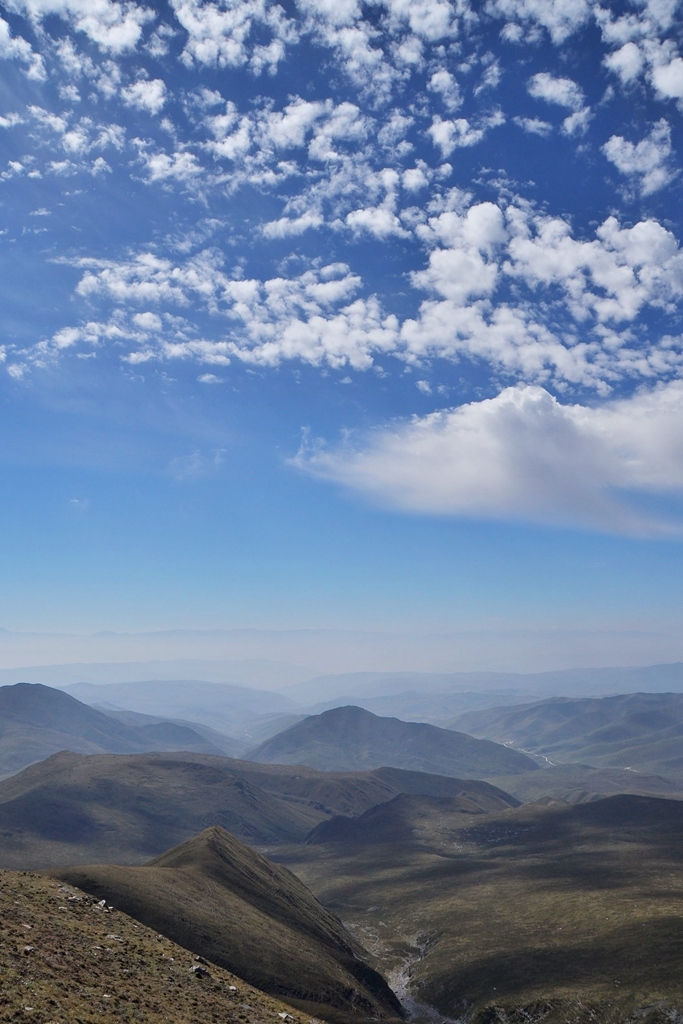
(352,739)
(127,809)
(540,913)
(641,732)
(65,959)
(37,721)
(222,900)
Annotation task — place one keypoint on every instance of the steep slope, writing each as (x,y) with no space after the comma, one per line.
(351,739)
(539,914)
(640,731)
(402,819)
(128,808)
(37,720)
(65,959)
(225,901)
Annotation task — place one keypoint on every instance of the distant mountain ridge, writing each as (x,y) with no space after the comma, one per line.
(352,739)
(642,732)
(37,721)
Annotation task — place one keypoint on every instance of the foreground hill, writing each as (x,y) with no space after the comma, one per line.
(639,731)
(127,809)
(65,959)
(37,720)
(225,901)
(352,739)
(554,914)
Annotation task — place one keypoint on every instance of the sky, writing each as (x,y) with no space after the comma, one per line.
(329,315)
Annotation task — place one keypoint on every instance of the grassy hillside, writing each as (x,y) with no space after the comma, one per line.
(553,914)
(640,731)
(223,900)
(127,809)
(352,739)
(64,960)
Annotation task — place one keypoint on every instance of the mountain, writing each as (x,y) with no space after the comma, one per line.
(37,720)
(224,706)
(127,809)
(641,732)
(63,958)
(226,902)
(400,819)
(544,914)
(352,739)
(517,684)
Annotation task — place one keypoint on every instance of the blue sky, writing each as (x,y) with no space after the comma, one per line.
(335,314)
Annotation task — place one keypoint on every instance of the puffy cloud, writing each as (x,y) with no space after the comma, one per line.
(219,33)
(444,83)
(145,94)
(561,18)
(16,48)
(648,160)
(627,62)
(533,125)
(114,26)
(450,135)
(668,79)
(562,91)
(524,456)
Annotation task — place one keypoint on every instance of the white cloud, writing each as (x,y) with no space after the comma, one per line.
(577,123)
(668,79)
(533,125)
(561,18)
(443,83)
(115,27)
(648,160)
(460,133)
(627,62)
(16,48)
(145,94)
(220,34)
(562,91)
(524,456)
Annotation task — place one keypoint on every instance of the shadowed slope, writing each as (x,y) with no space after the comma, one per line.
(404,818)
(126,809)
(221,899)
(351,739)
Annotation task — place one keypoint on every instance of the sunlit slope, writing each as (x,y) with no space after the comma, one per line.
(352,739)
(541,913)
(221,899)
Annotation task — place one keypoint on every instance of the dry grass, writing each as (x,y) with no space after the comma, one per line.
(65,960)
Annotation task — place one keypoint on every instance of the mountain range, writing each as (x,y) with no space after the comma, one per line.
(638,732)
(37,720)
(352,739)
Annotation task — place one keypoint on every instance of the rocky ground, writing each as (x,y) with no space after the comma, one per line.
(67,959)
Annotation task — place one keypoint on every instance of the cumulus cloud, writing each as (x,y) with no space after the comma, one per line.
(561,18)
(222,34)
(648,161)
(461,133)
(533,125)
(16,48)
(114,26)
(562,91)
(524,456)
(145,95)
